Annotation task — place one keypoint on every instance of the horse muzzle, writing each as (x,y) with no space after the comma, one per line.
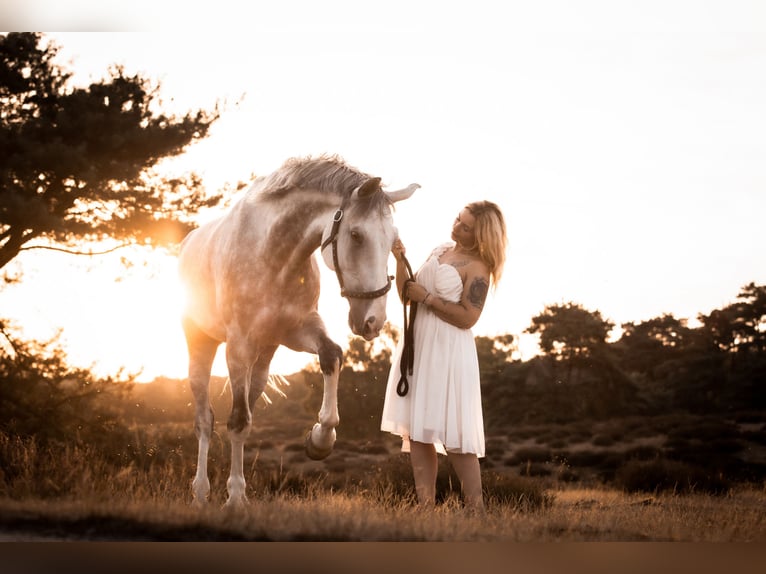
(366,319)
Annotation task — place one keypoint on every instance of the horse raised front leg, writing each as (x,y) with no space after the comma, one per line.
(321,439)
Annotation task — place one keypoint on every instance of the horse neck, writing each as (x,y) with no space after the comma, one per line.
(297,230)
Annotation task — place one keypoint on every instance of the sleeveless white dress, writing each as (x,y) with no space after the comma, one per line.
(443,405)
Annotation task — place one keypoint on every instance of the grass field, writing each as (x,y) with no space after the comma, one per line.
(576,515)
(73,494)
(670,478)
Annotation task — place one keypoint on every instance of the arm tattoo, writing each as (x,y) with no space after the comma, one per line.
(477,294)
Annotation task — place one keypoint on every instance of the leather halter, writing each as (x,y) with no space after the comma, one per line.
(333,239)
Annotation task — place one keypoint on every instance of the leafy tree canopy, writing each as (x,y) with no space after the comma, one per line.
(78,164)
(569,330)
(740,326)
(649,343)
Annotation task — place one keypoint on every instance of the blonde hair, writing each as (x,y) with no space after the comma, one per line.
(491,237)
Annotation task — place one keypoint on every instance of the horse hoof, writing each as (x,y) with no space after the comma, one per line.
(235,503)
(314,452)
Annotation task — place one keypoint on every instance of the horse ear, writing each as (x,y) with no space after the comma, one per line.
(369,187)
(402,194)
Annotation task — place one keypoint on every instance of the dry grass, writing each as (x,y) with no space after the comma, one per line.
(574,515)
(136,511)
(358,494)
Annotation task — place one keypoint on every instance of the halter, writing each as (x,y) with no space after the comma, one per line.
(333,238)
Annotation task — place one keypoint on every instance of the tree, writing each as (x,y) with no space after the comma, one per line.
(593,384)
(569,331)
(748,320)
(494,356)
(647,345)
(42,396)
(735,337)
(79,164)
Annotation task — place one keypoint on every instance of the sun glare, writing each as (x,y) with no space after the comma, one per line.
(113,312)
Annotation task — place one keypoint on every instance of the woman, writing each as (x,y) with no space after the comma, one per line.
(442,410)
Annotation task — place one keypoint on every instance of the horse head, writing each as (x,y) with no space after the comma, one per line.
(356,245)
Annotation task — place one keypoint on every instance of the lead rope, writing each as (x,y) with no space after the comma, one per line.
(408,349)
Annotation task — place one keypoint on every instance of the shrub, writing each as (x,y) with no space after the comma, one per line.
(534,469)
(603,440)
(515,491)
(585,458)
(643,452)
(529,454)
(496,447)
(705,430)
(43,396)
(662,475)
(567,474)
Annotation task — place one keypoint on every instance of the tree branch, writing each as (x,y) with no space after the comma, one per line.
(73,252)
(9,339)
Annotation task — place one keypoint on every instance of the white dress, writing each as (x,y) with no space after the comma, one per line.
(443,405)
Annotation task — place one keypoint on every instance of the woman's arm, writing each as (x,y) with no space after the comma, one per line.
(402,273)
(465,313)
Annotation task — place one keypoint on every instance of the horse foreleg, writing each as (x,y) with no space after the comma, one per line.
(235,485)
(239,429)
(248,379)
(201,482)
(321,438)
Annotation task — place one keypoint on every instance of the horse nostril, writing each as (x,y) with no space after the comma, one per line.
(369,326)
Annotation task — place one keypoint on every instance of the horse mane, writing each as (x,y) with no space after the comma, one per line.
(326,174)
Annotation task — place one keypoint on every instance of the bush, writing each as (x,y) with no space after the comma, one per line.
(44,397)
(529,454)
(663,475)
(535,469)
(643,452)
(603,440)
(515,491)
(496,448)
(584,458)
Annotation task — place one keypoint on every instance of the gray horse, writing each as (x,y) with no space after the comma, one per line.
(253,283)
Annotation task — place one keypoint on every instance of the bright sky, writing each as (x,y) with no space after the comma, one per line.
(624,141)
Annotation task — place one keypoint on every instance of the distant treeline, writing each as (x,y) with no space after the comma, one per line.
(656,367)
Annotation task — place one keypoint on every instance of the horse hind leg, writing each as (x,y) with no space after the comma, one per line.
(202,350)
(248,381)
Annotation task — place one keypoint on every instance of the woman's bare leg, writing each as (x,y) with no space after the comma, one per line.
(425,466)
(468,471)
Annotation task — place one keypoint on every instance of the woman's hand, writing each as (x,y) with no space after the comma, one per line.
(398,249)
(416,292)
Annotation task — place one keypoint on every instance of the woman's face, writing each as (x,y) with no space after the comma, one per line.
(463,229)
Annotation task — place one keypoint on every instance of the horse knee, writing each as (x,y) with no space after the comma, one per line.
(329,353)
(239,420)
(204,424)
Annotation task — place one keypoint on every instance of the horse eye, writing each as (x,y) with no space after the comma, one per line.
(356,236)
